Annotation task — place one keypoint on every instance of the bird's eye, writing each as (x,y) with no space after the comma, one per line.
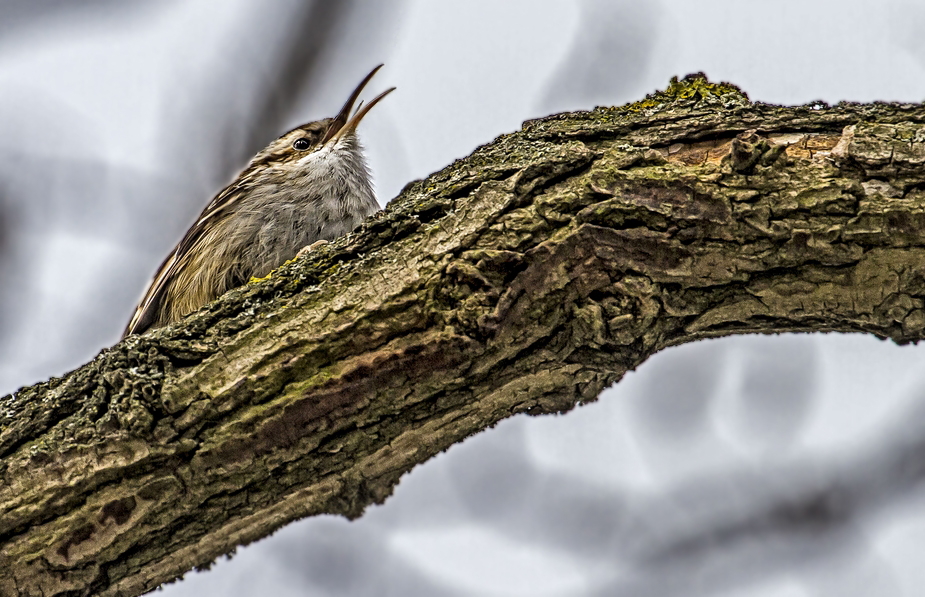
(301,144)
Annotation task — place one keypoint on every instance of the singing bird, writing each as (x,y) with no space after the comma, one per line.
(311,184)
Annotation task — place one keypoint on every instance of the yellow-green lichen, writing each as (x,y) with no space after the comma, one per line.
(690,87)
(698,83)
(255,280)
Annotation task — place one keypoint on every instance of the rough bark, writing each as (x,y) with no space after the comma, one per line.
(525,278)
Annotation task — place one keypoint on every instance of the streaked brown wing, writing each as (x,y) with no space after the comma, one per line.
(148,308)
(146,314)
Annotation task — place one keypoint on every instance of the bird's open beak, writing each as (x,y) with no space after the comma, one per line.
(343,123)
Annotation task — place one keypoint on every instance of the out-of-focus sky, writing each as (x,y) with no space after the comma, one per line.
(119,121)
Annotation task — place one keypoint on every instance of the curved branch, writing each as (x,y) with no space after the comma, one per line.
(524,278)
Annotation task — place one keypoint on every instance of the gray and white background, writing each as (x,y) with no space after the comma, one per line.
(786,466)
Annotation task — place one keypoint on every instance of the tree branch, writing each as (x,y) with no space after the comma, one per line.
(524,278)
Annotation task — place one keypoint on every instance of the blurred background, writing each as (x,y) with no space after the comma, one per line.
(785,466)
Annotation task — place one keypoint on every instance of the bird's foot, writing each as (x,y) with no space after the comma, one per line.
(309,248)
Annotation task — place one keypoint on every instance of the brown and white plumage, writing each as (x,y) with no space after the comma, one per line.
(310,184)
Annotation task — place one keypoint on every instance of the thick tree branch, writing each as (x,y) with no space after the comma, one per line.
(525,278)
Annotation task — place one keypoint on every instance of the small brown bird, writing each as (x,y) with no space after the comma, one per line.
(309,185)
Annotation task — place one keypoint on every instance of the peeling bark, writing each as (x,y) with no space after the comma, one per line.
(525,278)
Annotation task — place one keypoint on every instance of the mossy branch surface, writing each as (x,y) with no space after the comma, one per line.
(526,277)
